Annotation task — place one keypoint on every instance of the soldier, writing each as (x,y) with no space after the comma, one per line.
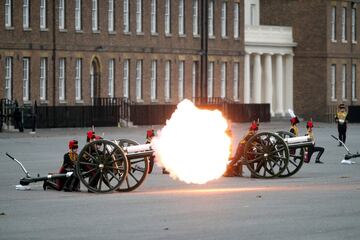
(235,166)
(312,149)
(90,135)
(341,120)
(71,183)
(149,135)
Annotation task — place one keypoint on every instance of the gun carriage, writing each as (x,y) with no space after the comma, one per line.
(105,166)
(269,155)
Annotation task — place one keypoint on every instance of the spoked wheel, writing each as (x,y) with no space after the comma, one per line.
(102,166)
(296,159)
(266,155)
(138,169)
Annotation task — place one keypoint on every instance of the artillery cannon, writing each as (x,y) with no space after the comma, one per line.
(269,155)
(103,166)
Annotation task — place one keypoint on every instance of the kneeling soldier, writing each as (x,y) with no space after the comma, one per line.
(71,183)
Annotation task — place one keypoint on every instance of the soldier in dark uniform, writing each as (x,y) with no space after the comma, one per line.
(71,183)
(341,120)
(235,166)
(149,135)
(312,149)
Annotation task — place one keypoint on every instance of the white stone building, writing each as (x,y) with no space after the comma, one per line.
(268,62)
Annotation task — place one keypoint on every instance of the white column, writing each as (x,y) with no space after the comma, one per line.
(289,95)
(268,82)
(257,78)
(279,82)
(247,78)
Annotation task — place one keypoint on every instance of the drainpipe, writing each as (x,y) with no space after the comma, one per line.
(204,51)
(54,52)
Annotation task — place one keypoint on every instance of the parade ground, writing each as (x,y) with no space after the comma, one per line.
(321,201)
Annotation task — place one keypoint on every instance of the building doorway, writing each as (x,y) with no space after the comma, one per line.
(94,80)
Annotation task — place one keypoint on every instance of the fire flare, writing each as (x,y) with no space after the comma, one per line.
(193,145)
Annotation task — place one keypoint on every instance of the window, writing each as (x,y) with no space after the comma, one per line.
(343,82)
(181,79)
(353,25)
(343,25)
(167,17)
(252,14)
(26,81)
(194,77)
(153,17)
(195,17)
(223,81)
(236,20)
(223,20)
(139,16)
(8,13)
(43,14)
(138,80)
(353,82)
(78,79)
(8,77)
(333,24)
(126,16)
(210,79)
(43,78)
(62,75)
(167,80)
(94,15)
(211,19)
(126,78)
(181,17)
(61,14)
(78,24)
(236,82)
(26,14)
(333,82)
(111,16)
(153,80)
(111,78)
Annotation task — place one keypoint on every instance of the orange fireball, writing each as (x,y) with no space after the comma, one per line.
(193,146)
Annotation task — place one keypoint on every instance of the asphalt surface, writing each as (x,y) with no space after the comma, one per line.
(320,202)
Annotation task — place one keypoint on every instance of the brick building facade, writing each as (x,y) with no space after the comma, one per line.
(327,59)
(66,52)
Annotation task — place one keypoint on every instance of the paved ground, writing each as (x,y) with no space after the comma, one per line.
(319,202)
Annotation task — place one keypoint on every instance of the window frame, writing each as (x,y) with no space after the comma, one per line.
(153,18)
(195,25)
(126,16)
(8,77)
(78,79)
(211,19)
(353,83)
(353,25)
(153,80)
(62,79)
(344,24)
(43,79)
(333,81)
(26,79)
(236,20)
(111,78)
(210,80)
(167,81)
(138,80)
(111,16)
(126,73)
(224,19)
(344,82)
(95,15)
(8,18)
(139,17)
(223,78)
(78,15)
(26,14)
(236,82)
(181,18)
(43,14)
(181,79)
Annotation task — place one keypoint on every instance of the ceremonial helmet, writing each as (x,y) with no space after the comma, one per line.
(341,106)
(254,126)
(73,144)
(150,133)
(309,124)
(90,135)
(294,119)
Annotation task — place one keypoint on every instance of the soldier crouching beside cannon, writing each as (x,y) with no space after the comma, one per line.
(71,183)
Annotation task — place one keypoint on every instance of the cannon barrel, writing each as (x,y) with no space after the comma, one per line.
(298,142)
(138,151)
(28,180)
